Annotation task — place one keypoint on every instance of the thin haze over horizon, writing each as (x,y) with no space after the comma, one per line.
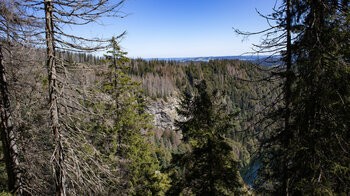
(184,28)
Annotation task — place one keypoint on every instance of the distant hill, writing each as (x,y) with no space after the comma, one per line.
(262,59)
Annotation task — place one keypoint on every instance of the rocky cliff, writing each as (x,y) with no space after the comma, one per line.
(163,112)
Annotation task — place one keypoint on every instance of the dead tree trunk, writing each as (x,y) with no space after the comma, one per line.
(58,162)
(8,137)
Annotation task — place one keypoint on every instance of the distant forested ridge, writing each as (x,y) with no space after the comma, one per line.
(257,59)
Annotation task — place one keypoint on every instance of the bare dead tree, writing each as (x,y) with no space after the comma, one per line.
(8,136)
(15,28)
(59,168)
(62,99)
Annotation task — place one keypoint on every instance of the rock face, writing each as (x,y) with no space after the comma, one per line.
(164,113)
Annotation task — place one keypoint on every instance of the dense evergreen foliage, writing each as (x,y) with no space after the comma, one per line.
(320,104)
(209,168)
(119,135)
(309,154)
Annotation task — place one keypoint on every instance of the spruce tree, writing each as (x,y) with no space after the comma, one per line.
(308,155)
(210,167)
(320,105)
(122,132)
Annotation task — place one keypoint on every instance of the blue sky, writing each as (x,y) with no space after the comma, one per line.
(185,28)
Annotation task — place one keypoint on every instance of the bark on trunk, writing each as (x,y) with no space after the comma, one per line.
(288,92)
(8,136)
(58,161)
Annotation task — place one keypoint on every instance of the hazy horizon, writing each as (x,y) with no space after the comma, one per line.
(183,28)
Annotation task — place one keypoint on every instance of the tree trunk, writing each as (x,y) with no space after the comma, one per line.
(58,161)
(8,137)
(288,83)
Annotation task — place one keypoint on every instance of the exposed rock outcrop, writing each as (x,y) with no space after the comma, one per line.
(164,113)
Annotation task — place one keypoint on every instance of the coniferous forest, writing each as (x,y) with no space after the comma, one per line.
(77,123)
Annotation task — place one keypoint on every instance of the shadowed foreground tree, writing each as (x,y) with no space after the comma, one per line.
(308,154)
(319,162)
(8,137)
(276,115)
(209,168)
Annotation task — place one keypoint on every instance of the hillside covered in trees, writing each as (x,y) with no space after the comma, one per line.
(73,123)
(236,80)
